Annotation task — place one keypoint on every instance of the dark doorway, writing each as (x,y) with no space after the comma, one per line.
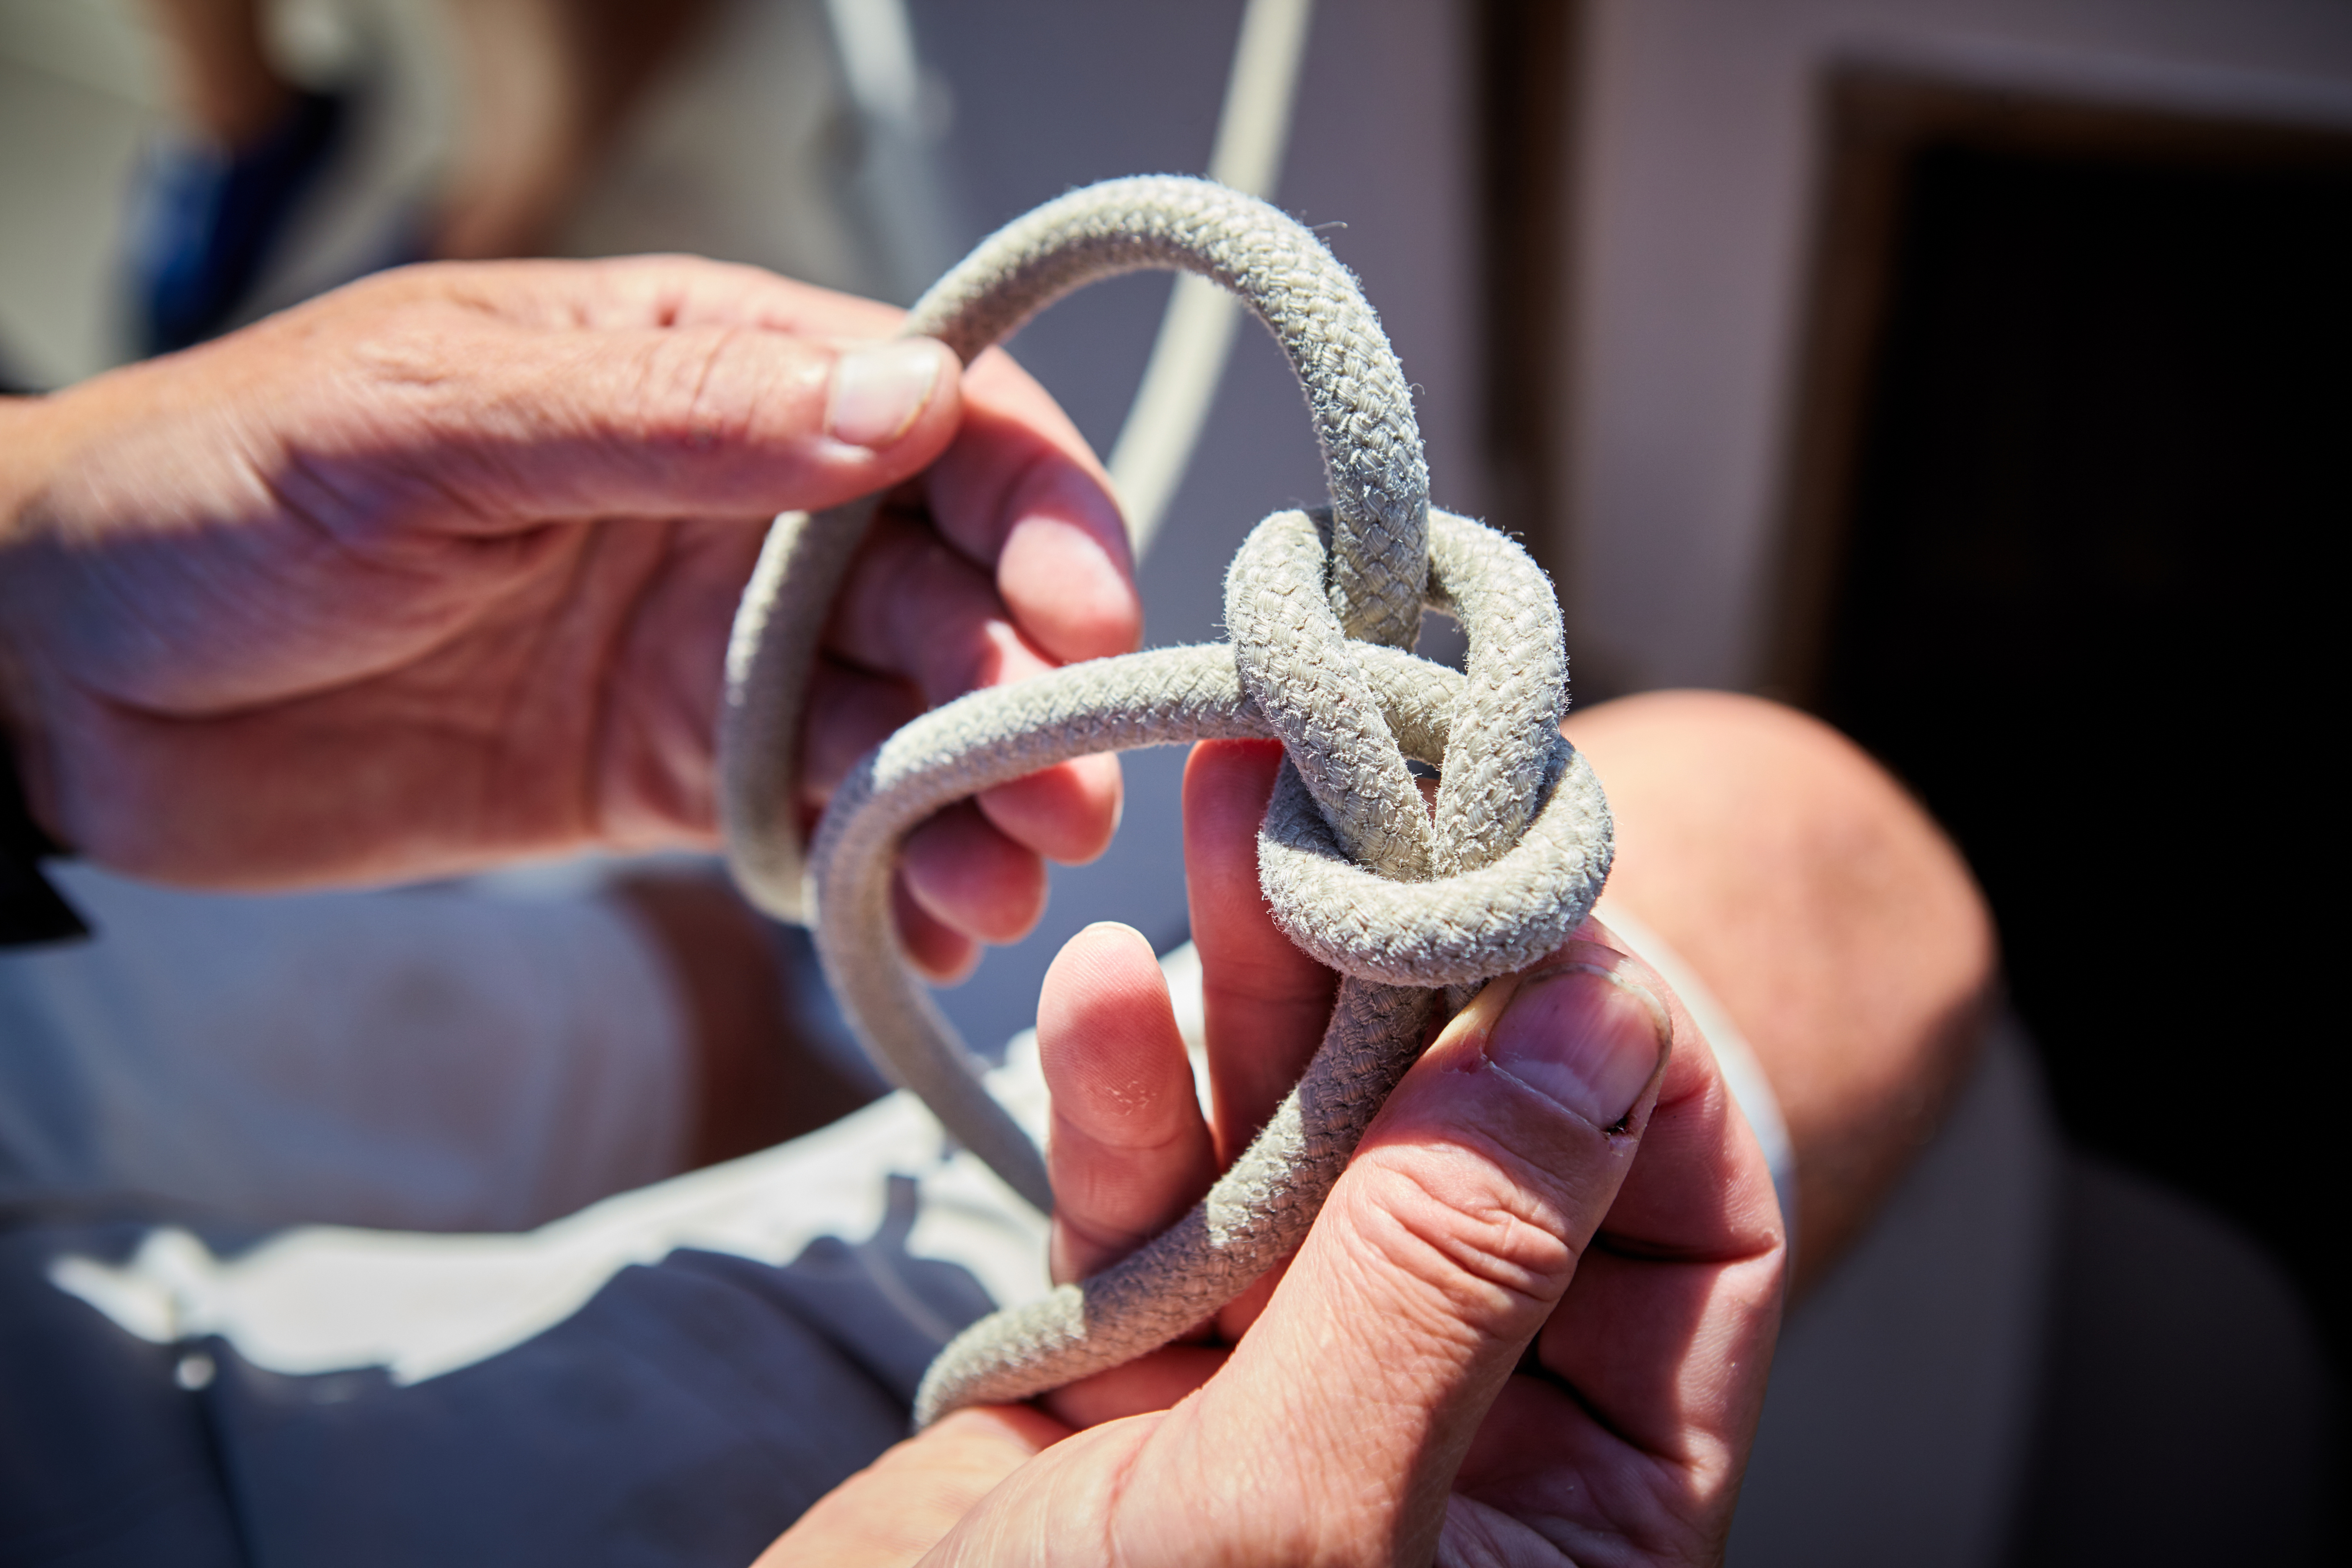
(2077,455)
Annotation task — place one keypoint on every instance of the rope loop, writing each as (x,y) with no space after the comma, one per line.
(1399,896)
(1357,871)
(1356,391)
(1357,398)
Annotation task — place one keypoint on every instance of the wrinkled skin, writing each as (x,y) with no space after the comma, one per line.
(437,571)
(1531,1325)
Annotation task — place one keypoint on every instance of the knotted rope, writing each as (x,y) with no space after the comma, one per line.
(1357,869)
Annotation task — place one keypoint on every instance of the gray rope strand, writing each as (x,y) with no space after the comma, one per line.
(1501,912)
(1252,1219)
(1357,396)
(1354,868)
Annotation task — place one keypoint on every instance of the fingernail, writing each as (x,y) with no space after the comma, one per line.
(879,392)
(1583,1036)
(1126,934)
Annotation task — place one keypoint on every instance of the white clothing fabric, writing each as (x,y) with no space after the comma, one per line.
(428,1059)
(1915,1362)
(328,1298)
(322,1299)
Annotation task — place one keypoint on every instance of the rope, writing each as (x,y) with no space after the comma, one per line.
(1356,869)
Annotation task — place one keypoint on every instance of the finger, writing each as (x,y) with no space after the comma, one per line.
(914,608)
(961,870)
(630,291)
(964,874)
(707,420)
(1683,1285)
(1652,1371)
(897,1507)
(1021,493)
(1442,1251)
(1150,1383)
(1128,1149)
(1266,1002)
(1067,813)
(850,712)
(942,955)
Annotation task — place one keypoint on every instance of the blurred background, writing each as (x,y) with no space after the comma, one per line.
(1971,373)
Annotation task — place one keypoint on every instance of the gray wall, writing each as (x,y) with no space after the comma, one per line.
(1693,182)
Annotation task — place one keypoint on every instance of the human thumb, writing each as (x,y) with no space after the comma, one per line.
(1440,1255)
(693,421)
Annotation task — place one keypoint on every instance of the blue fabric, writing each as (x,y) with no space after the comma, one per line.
(103,1458)
(685,1415)
(208,221)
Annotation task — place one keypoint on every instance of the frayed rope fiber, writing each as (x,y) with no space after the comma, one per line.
(1322,610)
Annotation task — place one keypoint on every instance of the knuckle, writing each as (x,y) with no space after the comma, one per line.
(696,391)
(1478,1244)
(712,389)
(912,581)
(1107,1208)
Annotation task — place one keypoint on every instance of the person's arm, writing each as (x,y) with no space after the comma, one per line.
(438,570)
(1532,1325)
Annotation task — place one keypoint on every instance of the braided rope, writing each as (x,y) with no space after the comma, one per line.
(1357,869)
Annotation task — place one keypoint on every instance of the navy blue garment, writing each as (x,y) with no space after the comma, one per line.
(208,221)
(103,1458)
(685,1415)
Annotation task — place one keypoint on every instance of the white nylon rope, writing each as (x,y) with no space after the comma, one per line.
(1401,900)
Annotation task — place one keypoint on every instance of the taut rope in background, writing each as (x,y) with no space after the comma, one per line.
(1163,424)
(1358,873)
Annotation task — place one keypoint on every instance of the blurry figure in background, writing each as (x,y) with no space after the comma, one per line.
(545,84)
(659,957)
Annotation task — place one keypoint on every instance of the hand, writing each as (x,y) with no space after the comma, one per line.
(438,569)
(1531,1325)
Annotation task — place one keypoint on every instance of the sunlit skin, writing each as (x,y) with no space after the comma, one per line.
(434,571)
(1826,911)
(1510,1337)
(437,571)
